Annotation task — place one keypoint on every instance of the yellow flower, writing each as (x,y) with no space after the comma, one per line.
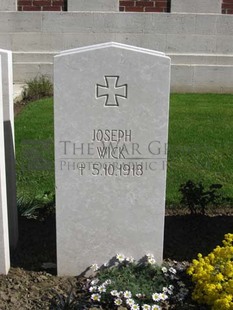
(213,276)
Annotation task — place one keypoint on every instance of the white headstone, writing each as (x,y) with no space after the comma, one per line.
(4,239)
(111,126)
(8,116)
(196,6)
(93,5)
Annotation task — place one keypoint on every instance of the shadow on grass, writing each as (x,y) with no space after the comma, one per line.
(185,237)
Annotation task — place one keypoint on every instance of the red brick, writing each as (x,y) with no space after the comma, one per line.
(52,8)
(153,10)
(48,2)
(41,3)
(227,6)
(31,8)
(127,3)
(133,9)
(229,11)
(160,4)
(121,8)
(25,2)
(58,2)
(145,3)
(20,8)
(227,1)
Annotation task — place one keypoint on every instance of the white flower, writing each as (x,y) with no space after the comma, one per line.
(102,288)
(172,270)
(127,294)
(155,307)
(130,302)
(156,297)
(146,307)
(118,301)
(130,259)
(149,255)
(93,289)
(139,295)
(163,296)
(171,287)
(94,282)
(114,293)
(95,297)
(135,307)
(94,267)
(108,282)
(120,257)
(151,261)
(167,290)
(164,269)
(106,264)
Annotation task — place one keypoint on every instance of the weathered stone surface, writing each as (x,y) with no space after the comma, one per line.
(196,6)
(111,123)
(8,5)
(8,116)
(93,5)
(4,238)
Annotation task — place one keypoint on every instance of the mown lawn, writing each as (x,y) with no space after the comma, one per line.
(200,144)
(34,149)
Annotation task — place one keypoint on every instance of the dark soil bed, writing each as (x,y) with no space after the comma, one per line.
(32,281)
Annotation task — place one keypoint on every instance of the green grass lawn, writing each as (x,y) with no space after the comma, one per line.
(34,140)
(200,144)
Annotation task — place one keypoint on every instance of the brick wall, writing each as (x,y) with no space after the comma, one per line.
(125,5)
(144,5)
(227,7)
(41,5)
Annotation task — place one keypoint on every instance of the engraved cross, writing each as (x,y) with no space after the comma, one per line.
(111,91)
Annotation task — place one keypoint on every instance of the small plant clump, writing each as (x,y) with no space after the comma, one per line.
(196,198)
(142,285)
(40,207)
(213,276)
(70,301)
(38,88)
